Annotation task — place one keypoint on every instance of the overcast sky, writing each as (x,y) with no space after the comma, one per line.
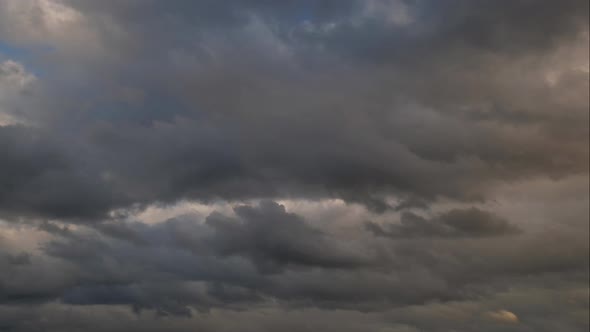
(294,165)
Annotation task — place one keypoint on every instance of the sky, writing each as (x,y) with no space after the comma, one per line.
(294,165)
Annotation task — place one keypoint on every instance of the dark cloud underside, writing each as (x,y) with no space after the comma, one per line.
(378,165)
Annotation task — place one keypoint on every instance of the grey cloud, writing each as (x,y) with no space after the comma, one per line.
(108,108)
(454,223)
(464,316)
(22,258)
(272,236)
(40,178)
(190,266)
(237,107)
(233,263)
(266,234)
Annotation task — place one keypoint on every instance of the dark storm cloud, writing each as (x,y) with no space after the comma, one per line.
(186,263)
(191,264)
(455,223)
(38,178)
(239,100)
(267,235)
(118,107)
(443,27)
(271,236)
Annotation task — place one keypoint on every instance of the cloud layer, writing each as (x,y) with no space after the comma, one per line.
(381,165)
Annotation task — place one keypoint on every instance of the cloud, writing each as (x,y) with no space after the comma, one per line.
(213,165)
(243,104)
(271,236)
(39,178)
(502,316)
(454,223)
(15,82)
(263,254)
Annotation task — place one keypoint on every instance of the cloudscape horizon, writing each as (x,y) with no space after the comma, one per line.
(296,165)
